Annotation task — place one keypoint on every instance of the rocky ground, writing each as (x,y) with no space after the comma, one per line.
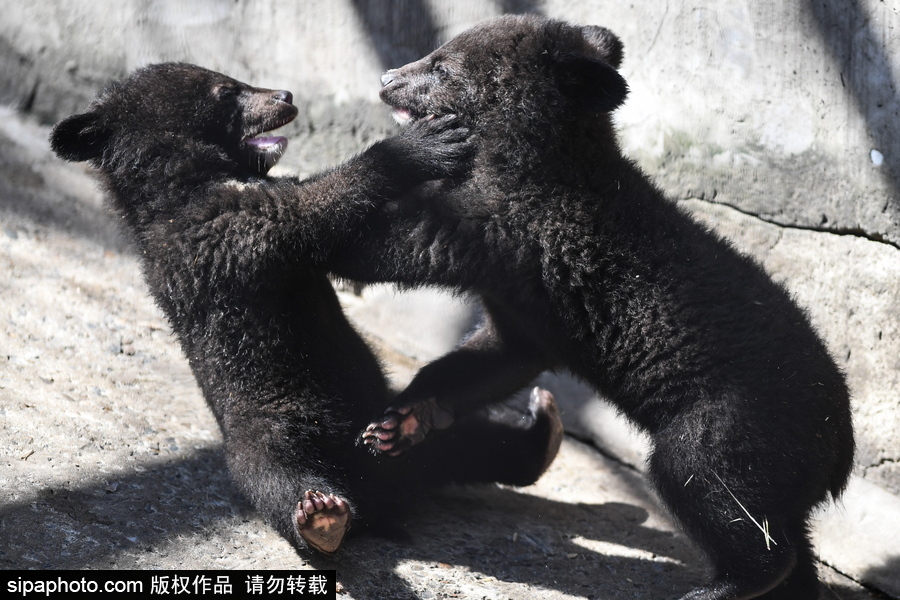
(111,460)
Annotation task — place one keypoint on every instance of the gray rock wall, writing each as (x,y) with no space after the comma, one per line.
(785,110)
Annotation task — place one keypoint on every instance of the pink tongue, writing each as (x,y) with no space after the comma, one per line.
(264,152)
(401,116)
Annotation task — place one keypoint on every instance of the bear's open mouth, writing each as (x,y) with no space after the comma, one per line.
(404,116)
(264,151)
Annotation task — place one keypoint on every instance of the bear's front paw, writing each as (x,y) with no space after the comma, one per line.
(441,146)
(405,425)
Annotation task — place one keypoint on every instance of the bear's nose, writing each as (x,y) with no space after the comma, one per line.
(284,96)
(388,77)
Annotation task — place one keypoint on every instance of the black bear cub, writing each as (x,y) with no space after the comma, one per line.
(233,258)
(583,264)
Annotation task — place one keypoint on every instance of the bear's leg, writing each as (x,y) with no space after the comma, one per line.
(520,451)
(727,503)
(290,477)
(800,584)
(803,582)
(747,562)
(487,368)
(322,520)
(501,445)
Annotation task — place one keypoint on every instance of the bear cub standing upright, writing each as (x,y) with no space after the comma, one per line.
(233,259)
(583,264)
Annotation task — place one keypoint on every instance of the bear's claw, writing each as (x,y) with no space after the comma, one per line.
(404,426)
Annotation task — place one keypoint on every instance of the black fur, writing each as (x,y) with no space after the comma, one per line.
(583,264)
(229,255)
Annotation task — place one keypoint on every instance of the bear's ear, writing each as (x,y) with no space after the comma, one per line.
(594,84)
(79,137)
(607,46)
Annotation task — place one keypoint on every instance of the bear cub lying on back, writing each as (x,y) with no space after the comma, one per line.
(583,264)
(235,260)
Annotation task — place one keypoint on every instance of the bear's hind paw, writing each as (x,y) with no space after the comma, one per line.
(322,520)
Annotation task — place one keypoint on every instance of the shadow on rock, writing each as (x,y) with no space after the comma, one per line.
(460,538)
(885,579)
(482,539)
(101,524)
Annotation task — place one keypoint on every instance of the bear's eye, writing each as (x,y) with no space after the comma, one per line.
(224,91)
(441,70)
